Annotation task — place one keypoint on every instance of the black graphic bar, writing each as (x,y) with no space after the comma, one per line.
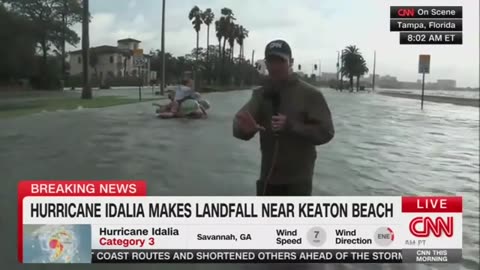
(247,256)
(410,25)
(431,38)
(415,12)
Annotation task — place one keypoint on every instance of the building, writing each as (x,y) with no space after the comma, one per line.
(446,84)
(327,76)
(387,81)
(114,62)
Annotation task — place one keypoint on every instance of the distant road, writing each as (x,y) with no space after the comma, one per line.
(439,99)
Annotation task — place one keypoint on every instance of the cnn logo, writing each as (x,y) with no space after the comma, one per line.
(425,226)
(403,12)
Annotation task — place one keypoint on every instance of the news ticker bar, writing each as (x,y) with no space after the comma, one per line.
(427,25)
(278,256)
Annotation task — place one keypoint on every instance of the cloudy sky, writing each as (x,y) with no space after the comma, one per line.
(315,29)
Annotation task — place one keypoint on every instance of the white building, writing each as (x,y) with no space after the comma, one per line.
(327,76)
(114,62)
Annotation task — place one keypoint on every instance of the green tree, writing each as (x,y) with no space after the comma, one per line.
(17,46)
(71,13)
(360,69)
(220,33)
(233,30)
(208,16)
(241,36)
(52,20)
(225,27)
(195,16)
(350,59)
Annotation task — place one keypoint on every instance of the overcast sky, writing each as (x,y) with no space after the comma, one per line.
(315,29)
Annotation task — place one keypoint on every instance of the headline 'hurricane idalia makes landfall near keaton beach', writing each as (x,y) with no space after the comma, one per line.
(213,210)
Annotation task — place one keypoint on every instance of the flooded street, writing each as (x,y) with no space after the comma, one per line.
(383,146)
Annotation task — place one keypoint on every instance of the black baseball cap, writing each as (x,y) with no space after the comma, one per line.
(278,48)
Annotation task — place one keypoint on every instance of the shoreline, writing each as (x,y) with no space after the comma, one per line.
(471,102)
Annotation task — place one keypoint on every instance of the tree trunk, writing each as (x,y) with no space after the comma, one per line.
(217,68)
(220,49)
(64,21)
(341,83)
(43,72)
(44,53)
(86,91)
(223,51)
(198,40)
(351,83)
(208,42)
(208,54)
(358,83)
(195,68)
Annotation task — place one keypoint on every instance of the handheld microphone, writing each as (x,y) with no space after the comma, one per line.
(274,97)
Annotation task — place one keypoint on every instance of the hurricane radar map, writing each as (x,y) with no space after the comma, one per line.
(57,243)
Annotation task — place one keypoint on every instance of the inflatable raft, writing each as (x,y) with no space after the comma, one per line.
(189,108)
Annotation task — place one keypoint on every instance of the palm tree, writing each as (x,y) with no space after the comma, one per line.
(232,37)
(225,26)
(86,91)
(242,35)
(360,70)
(195,16)
(350,58)
(207,18)
(219,34)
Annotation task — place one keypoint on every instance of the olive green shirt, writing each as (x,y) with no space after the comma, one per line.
(309,123)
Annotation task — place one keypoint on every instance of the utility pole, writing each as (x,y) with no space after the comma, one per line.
(162,86)
(338,69)
(86,91)
(64,30)
(374,65)
(319,69)
(423,87)
(253,57)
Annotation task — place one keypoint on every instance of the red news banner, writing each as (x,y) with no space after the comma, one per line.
(390,229)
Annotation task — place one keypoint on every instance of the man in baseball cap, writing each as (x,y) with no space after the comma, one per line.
(278,56)
(292,118)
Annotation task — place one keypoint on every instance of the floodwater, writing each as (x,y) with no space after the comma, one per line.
(383,146)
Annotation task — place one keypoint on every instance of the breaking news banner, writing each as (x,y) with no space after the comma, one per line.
(115,222)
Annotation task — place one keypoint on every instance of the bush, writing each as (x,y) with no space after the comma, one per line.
(46,77)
